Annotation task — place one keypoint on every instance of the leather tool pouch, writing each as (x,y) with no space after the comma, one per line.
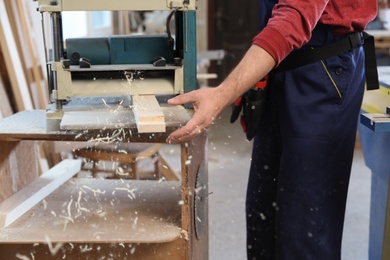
(252,105)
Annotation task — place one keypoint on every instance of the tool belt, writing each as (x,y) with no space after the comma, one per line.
(252,103)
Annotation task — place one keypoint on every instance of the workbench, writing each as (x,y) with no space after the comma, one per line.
(374,133)
(106,219)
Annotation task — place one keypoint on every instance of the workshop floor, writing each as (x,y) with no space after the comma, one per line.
(229,158)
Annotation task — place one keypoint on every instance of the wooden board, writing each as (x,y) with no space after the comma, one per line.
(22,201)
(93,211)
(5,106)
(97,119)
(148,114)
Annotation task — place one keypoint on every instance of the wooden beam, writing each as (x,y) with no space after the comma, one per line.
(148,114)
(5,106)
(22,201)
(13,62)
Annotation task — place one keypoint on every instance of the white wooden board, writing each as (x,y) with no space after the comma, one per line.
(97,119)
(25,199)
(148,114)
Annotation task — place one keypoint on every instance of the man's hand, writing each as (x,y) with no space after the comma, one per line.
(208,103)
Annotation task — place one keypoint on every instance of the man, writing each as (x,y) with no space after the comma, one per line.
(302,154)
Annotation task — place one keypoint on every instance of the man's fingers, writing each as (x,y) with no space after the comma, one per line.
(184,132)
(187,136)
(191,129)
(206,107)
(181,99)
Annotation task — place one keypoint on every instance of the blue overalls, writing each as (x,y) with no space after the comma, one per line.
(302,156)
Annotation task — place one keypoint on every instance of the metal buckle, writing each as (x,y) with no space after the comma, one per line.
(355,39)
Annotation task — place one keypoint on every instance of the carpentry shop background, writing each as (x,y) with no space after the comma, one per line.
(97,183)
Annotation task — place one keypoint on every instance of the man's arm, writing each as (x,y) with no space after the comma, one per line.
(208,103)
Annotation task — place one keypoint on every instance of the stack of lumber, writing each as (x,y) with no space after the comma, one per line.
(22,64)
(22,86)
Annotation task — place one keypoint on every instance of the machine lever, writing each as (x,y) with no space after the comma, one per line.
(159,62)
(84,63)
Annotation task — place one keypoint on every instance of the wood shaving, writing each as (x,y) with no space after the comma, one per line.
(84,249)
(97,191)
(104,101)
(184,234)
(53,249)
(78,205)
(22,257)
(130,191)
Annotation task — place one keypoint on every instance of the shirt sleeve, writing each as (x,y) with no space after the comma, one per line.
(290,26)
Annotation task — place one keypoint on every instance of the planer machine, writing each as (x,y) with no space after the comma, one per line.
(118,66)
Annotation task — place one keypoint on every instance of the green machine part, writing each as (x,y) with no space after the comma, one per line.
(142,49)
(132,49)
(189,50)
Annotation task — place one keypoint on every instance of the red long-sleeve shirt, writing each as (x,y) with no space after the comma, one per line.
(292,22)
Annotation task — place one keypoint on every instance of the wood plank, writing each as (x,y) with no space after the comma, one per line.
(6,84)
(148,114)
(13,62)
(96,119)
(22,201)
(147,109)
(5,106)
